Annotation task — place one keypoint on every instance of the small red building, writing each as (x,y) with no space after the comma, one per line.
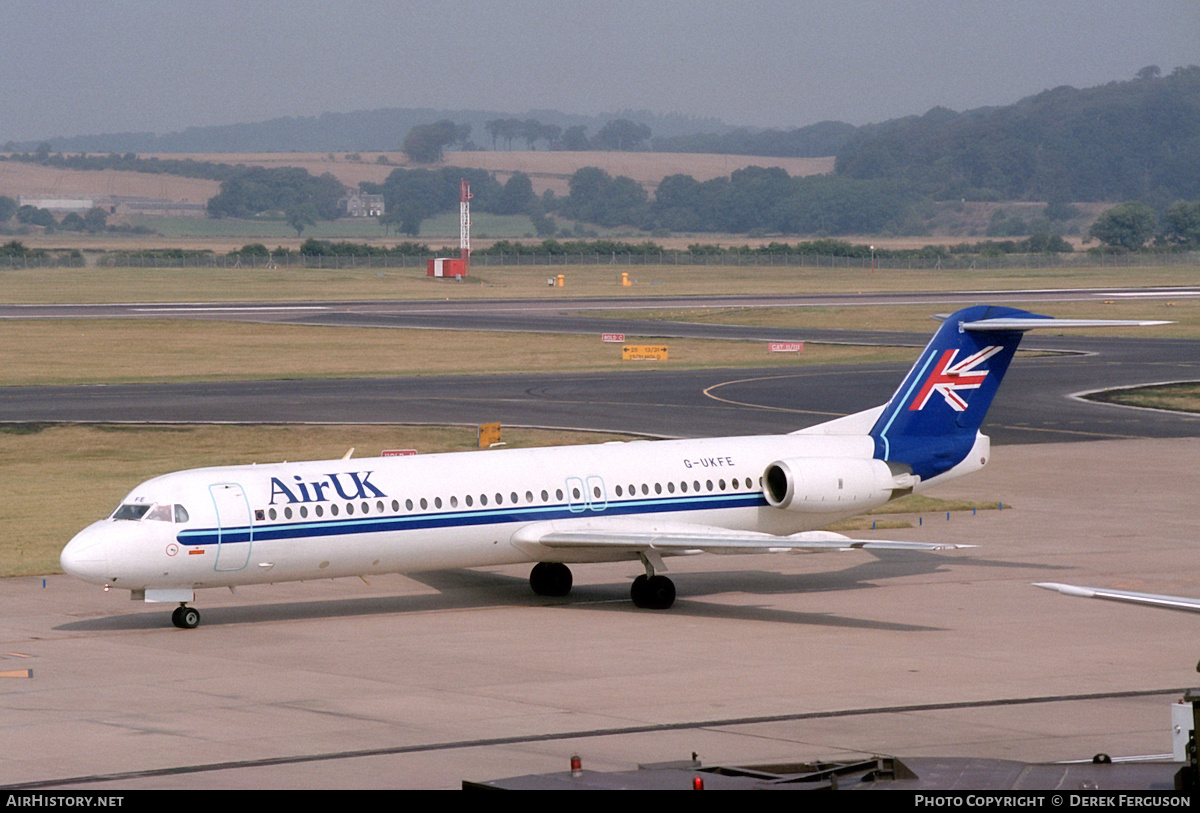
(446,267)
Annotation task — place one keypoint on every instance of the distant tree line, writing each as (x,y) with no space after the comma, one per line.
(622,135)
(424,144)
(751,200)
(814,141)
(1132,224)
(94,220)
(291,192)
(412,195)
(128,162)
(648,248)
(754,201)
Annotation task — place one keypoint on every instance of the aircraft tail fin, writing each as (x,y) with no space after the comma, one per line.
(931,421)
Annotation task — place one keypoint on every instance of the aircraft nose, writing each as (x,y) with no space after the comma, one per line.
(84,556)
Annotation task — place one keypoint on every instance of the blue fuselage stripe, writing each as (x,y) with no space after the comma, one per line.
(462,519)
(902,400)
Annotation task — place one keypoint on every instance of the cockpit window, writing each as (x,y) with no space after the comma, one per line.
(154,513)
(161,513)
(131,511)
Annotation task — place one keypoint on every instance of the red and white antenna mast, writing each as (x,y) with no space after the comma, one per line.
(464,224)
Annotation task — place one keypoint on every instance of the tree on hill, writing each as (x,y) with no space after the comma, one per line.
(597,197)
(1127,225)
(96,220)
(301,216)
(575,138)
(1124,140)
(1181,224)
(424,143)
(621,134)
(33,216)
(517,196)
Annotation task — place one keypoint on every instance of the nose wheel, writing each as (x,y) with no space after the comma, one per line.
(185,617)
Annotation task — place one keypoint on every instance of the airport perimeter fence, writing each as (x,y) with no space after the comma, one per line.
(14,261)
(662,260)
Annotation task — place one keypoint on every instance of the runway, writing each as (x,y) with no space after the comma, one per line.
(1035,403)
(424,681)
(657,403)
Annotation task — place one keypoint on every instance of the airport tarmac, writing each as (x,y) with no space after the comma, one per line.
(424,681)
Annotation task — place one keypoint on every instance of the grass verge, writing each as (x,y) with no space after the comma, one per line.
(1183,396)
(94,351)
(100,284)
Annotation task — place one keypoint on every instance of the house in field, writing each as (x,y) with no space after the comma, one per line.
(360,204)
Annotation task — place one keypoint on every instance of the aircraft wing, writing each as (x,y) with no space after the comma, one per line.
(685,538)
(1191,605)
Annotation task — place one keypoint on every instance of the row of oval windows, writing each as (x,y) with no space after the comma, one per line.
(514,498)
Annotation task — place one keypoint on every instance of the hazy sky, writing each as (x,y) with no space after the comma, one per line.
(73,68)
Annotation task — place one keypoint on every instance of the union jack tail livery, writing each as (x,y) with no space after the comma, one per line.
(931,423)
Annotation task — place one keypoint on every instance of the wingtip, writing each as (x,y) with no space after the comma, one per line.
(1065,589)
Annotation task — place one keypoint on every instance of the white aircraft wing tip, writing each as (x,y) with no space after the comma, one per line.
(1066,589)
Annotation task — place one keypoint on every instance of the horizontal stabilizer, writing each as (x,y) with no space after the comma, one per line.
(1041,322)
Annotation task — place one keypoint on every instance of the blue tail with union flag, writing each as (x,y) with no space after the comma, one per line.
(931,421)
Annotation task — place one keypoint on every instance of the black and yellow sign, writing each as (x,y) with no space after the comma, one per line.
(644,351)
(489,435)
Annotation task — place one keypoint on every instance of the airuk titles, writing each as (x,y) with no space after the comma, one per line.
(351,485)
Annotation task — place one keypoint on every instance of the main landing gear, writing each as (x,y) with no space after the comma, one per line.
(650,592)
(550,579)
(185,617)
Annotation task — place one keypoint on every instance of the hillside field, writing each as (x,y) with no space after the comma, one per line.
(548,170)
(949,222)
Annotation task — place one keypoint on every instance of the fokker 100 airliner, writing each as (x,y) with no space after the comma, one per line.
(639,500)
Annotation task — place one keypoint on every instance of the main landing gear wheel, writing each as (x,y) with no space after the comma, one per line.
(185,617)
(653,592)
(550,579)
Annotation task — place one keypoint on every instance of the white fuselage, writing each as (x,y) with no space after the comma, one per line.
(293,521)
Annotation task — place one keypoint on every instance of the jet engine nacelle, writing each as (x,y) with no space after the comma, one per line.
(834,484)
